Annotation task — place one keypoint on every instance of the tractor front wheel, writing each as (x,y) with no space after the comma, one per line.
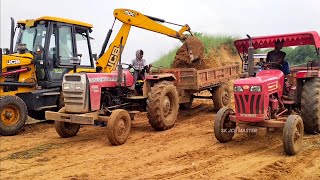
(292,134)
(66,129)
(223,127)
(118,127)
(13,113)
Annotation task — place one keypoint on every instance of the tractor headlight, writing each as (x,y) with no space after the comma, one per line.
(66,86)
(238,89)
(255,88)
(78,86)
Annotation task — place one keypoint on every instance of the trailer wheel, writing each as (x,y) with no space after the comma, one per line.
(310,106)
(66,129)
(223,127)
(162,105)
(13,113)
(292,134)
(221,96)
(118,127)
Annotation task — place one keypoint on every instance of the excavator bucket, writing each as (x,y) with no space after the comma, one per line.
(190,54)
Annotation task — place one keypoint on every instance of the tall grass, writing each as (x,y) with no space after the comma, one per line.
(209,41)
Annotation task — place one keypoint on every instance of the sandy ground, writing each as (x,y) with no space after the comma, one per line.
(187,151)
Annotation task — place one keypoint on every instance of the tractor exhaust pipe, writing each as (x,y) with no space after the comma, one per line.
(250,58)
(12,35)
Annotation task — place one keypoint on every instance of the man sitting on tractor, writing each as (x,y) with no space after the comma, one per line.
(277,56)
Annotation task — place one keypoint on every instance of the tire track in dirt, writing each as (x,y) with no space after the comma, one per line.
(187,151)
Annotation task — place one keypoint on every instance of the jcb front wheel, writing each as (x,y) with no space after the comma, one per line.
(13,113)
(118,127)
(66,129)
(292,134)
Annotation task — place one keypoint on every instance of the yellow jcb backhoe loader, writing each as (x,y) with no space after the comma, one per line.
(32,72)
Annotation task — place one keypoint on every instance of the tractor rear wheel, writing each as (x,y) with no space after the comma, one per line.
(162,105)
(221,96)
(118,127)
(310,106)
(13,113)
(223,127)
(66,129)
(292,135)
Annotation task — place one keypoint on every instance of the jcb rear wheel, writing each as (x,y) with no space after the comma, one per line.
(118,127)
(223,127)
(13,113)
(162,105)
(221,96)
(66,129)
(292,134)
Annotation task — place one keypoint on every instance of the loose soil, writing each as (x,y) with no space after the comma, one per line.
(187,151)
(190,54)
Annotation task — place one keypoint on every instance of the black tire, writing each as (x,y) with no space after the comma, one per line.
(292,135)
(310,106)
(60,101)
(118,127)
(223,127)
(66,129)
(13,113)
(162,105)
(221,96)
(186,106)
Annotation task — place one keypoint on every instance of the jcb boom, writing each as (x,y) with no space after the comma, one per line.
(110,59)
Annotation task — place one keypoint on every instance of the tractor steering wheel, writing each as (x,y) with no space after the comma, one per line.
(272,65)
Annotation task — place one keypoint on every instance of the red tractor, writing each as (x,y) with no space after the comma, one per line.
(272,99)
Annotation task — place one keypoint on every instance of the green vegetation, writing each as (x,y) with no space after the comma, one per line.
(209,41)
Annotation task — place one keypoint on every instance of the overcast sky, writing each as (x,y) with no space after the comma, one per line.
(230,17)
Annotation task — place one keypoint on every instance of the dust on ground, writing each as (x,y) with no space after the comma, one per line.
(187,151)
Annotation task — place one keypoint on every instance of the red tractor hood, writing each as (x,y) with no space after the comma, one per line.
(110,79)
(265,76)
(271,81)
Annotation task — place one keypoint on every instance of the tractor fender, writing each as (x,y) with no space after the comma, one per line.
(157,77)
(150,80)
(307,74)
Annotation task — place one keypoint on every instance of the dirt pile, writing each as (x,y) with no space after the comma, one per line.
(191,55)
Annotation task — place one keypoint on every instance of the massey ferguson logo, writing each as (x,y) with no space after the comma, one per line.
(14,61)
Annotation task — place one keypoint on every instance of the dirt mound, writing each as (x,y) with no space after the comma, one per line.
(221,56)
(190,54)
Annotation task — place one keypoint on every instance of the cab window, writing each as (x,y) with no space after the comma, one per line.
(82,41)
(65,45)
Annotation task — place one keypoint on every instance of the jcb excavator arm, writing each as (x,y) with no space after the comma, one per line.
(109,59)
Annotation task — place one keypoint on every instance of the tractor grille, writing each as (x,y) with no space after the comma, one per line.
(74,92)
(249,104)
(73,98)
